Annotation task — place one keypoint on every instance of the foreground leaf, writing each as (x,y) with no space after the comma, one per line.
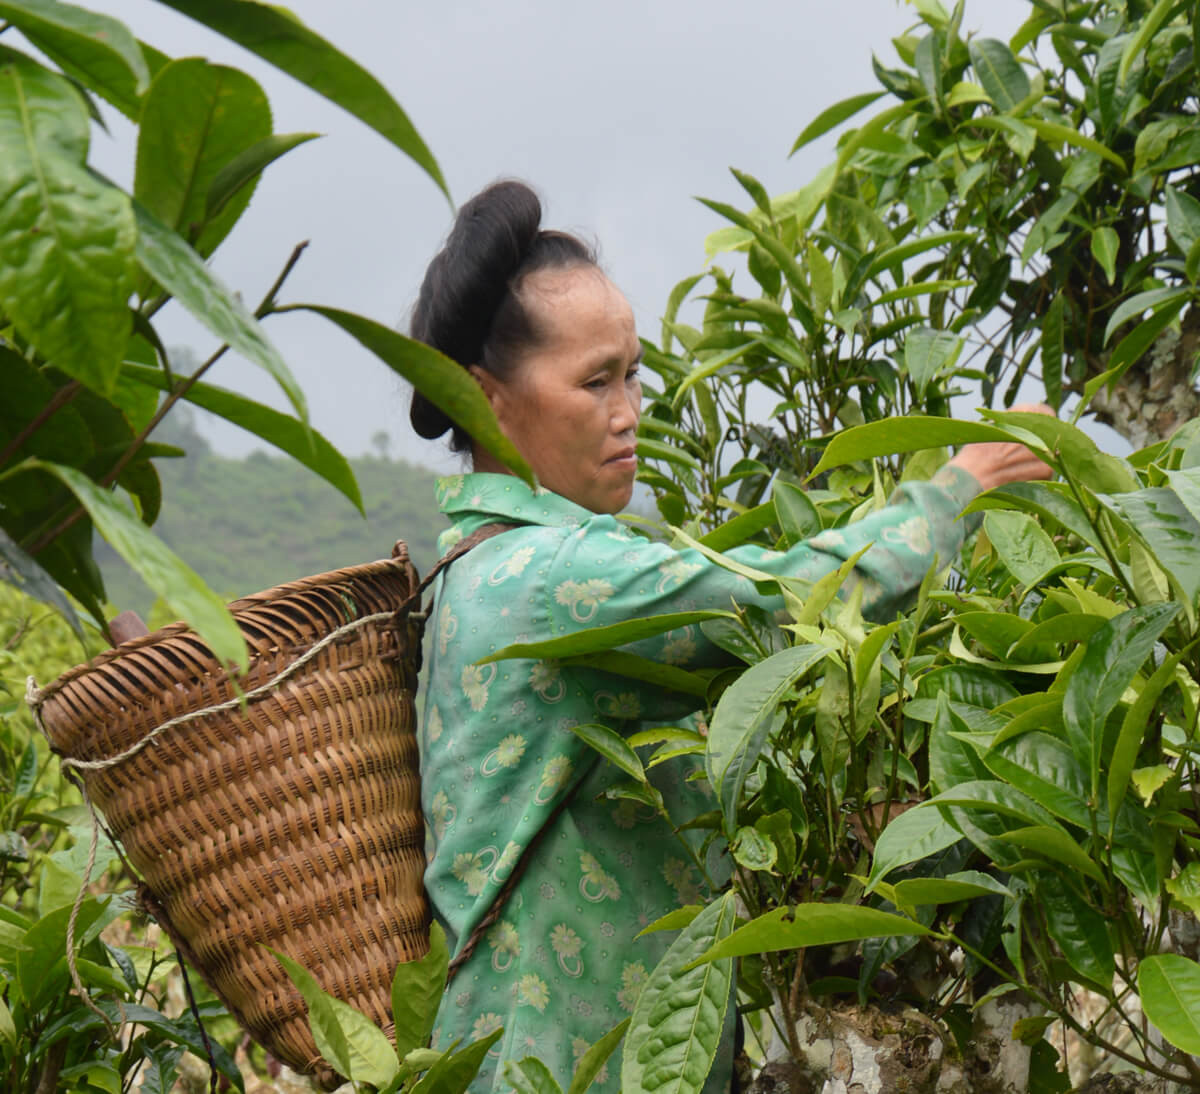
(1169,985)
(743,717)
(596,1057)
(96,49)
(445,384)
(531,1076)
(305,446)
(417,988)
(895,436)
(67,237)
(1113,657)
(352,1044)
(20,569)
(676,1024)
(164,572)
(279,37)
(167,258)
(596,639)
(811,925)
(195,119)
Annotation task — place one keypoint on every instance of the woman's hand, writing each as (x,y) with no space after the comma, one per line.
(995,463)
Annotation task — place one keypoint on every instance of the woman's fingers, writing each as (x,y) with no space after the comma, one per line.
(995,463)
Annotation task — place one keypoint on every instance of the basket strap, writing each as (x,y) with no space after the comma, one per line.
(497,909)
(456,552)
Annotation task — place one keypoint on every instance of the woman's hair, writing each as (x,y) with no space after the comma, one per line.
(470,304)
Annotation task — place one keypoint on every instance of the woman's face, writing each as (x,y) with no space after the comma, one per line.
(571,403)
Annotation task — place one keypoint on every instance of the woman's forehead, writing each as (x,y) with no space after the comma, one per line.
(579,302)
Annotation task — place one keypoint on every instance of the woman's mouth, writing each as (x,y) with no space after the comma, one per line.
(625,460)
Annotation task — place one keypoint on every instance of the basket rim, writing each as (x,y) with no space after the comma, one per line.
(399,561)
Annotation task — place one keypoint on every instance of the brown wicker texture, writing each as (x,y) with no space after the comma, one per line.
(292,821)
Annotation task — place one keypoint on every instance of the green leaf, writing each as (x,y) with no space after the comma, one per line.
(1183,218)
(745,714)
(281,39)
(1021,138)
(673,921)
(196,118)
(951,761)
(676,1023)
(1186,887)
(1141,37)
(286,433)
(1133,731)
(1105,244)
(243,170)
(811,925)
(66,236)
(1026,551)
(168,259)
(95,48)
(1080,931)
(352,1044)
(596,639)
(1052,352)
(1167,527)
(753,849)
(596,1057)
(738,530)
(894,436)
(1000,72)
(1073,448)
(798,517)
(1053,843)
(947,890)
(613,747)
(1113,657)
(1131,348)
(1042,767)
(8,1028)
(160,568)
(452,1074)
(20,569)
(645,669)
(447,385)
(1138,304)
(704,369)
(1054,131)
(417,988)
(530,1076)
(928,353)
(915,834)
(1052,502)
(1169,985)
(894,257)
(834,116)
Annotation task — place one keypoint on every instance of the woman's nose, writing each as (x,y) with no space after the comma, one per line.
(626,411)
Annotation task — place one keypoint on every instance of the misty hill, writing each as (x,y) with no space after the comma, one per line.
(247,524)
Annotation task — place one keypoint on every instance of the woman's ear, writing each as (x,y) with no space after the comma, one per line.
(492,388)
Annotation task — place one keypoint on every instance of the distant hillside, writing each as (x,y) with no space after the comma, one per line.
(251,523)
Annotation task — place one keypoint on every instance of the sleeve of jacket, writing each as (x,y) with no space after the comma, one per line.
(602,574)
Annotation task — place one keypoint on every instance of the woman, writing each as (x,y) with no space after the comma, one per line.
(552,343)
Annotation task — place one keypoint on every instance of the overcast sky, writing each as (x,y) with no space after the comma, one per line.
(619,113)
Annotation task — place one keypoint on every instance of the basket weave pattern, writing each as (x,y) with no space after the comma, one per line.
(293,820)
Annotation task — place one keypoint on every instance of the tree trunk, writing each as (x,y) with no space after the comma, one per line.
(1157,394)
(866,1050)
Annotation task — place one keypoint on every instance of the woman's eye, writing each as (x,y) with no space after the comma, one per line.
(596,382)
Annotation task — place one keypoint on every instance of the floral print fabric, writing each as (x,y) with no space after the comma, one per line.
(563,965)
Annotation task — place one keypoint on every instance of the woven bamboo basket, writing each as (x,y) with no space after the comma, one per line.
(293,820)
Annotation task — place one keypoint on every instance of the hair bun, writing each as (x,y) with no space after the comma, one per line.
(467,281)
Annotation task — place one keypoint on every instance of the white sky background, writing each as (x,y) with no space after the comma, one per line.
(617,112)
